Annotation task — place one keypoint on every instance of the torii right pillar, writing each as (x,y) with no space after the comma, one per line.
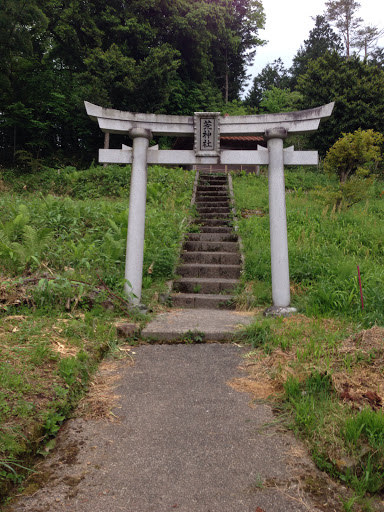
(281,296)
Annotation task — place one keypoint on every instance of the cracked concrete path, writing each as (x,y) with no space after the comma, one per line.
(184,440)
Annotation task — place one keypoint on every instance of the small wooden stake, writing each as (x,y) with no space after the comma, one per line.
(361,289)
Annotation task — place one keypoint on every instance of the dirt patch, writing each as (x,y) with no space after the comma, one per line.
(260,388)
(369,340)
(13,294)
(306,487)
(262,380)
(63,349)
(363,383)
(101,397)
(306,324)
(3,186)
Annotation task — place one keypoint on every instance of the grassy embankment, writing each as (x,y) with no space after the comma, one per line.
(324,366)
(62,250)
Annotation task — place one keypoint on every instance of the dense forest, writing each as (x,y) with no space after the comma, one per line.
(168,56)
(175,57)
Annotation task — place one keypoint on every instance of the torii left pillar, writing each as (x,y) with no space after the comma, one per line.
(136,216)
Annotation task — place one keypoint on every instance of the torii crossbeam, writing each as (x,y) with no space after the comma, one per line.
(206,128)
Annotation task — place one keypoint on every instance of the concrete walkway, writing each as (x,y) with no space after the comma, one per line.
(185,440)
(210,324)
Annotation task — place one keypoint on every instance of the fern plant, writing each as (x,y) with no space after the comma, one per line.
(13,228)
(26,252)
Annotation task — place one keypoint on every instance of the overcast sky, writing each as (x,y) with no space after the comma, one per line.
(288,23)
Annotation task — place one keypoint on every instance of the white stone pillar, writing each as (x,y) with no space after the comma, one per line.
(136,218)
(278,218)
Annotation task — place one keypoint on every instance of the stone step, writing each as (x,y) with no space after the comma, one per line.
(201,246)
(211,258)
(215,229)
(203,301)
(212,204)
(212,325)
(213,209)
(211,176)
(208,200)
(207,216)
(212,188)
(220,200)
(222,186)
(200,270)
(204,197)
(214,222)
(212,237)
(212,181)
(204,285)
(210,261)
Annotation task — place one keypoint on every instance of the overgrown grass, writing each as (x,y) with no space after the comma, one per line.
(45,366)
(62,252)
(85,238)
(325,246)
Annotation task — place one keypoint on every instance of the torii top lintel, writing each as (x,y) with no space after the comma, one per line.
(117,121)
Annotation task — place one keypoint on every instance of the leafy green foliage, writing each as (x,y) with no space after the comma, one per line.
(84,240)
(354,153)
(279,100)
(354,159)
(41,382)
(315,409)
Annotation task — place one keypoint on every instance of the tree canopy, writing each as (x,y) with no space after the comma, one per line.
(321,39)
(154,56)
(357,89)
(272,75)
(343,14)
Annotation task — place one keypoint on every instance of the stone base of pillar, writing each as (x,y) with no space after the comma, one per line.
(139,308)
(280,311)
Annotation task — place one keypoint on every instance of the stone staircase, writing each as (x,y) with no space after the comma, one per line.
(210,259)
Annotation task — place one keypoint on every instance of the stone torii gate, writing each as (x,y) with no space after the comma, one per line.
(206,128)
